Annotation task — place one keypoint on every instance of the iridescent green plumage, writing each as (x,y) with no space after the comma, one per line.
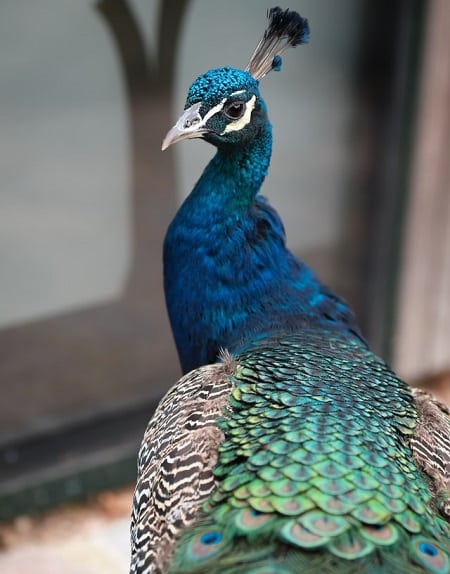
(315,473)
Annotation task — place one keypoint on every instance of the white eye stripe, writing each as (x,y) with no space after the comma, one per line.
(244,120)
(213,111)
(234,126)
(194,122)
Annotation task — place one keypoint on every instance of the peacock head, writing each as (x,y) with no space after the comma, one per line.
(224,105)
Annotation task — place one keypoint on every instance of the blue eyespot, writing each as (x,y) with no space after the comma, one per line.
(213,537)
(428,549)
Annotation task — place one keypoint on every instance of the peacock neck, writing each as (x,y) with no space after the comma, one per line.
(228,275)
(231,180)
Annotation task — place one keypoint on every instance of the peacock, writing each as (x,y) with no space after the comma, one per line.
(287,446)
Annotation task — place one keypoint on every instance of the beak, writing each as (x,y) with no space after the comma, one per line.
(189,125)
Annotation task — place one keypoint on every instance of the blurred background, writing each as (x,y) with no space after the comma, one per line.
(359,174)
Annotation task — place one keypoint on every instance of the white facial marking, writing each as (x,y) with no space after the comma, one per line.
(242,122)
(192,123)
(213,111)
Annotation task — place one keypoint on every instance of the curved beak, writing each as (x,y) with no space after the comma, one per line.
(189,125)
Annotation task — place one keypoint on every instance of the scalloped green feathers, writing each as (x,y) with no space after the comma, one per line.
(315,472)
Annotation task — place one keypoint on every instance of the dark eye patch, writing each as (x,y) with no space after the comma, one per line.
(234,110)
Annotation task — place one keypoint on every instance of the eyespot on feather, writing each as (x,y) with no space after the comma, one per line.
(205,545)
(427,553)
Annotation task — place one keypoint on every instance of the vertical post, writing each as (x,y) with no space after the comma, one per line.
(423,322)
(149,89)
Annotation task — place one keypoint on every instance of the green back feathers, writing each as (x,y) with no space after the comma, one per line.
(315,472)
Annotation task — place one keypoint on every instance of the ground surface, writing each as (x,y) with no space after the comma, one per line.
(87,538)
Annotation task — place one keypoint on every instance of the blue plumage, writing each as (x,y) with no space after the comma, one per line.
(227,235)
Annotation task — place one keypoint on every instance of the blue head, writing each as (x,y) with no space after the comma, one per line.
(224,106)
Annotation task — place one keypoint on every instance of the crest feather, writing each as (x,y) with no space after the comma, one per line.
(286,28)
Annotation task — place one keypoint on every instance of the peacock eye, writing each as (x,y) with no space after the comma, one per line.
(234,110)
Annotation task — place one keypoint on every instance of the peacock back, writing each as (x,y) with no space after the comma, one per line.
(315,472)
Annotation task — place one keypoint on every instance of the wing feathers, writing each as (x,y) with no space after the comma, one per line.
(430,446)
(178,453)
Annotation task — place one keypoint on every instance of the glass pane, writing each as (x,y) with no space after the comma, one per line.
(83,209)
(64,204)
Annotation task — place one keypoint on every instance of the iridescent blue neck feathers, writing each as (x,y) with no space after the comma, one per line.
(228,275)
